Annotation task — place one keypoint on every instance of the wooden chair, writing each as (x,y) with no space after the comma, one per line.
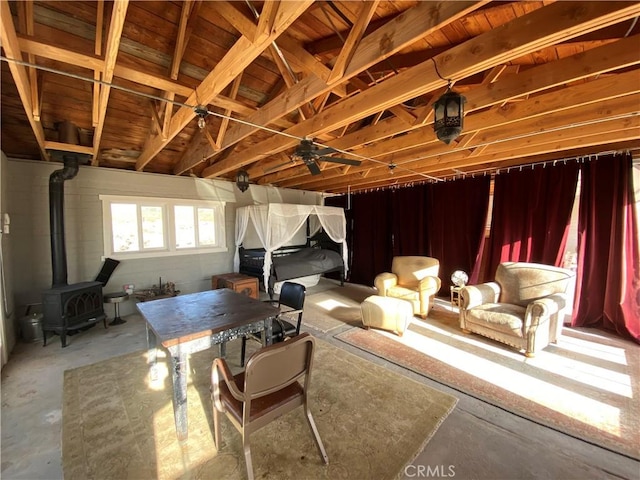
(290,302)
(268,388)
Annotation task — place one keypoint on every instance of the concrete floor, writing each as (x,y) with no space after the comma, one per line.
(477,440)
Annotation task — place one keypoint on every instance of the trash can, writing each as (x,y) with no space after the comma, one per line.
(31,324)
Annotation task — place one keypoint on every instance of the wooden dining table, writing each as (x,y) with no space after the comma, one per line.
(194,322)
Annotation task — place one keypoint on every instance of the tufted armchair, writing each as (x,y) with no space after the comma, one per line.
(524,307)
(411,278)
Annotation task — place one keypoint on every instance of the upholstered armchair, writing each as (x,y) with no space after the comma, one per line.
(411,278)
(524,307)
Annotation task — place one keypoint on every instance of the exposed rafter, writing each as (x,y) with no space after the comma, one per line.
(358,77)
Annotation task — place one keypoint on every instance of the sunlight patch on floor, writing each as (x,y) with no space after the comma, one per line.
(331,304)
(158,377)
(592,349)
(579,371)
(599,377)
(474,340)
(580,407)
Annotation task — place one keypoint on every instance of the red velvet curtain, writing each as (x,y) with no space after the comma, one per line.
(531,215)
(371,243)
(457,216)
(409,221)
(608,277)
(444,220)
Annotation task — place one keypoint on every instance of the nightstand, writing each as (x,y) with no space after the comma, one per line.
(455,296)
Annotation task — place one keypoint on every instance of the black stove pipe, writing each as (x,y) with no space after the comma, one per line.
(56,217)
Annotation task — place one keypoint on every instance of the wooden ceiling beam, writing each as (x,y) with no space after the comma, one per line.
(353,40)
(590,135)
(224,122)
(180,45)
(603,140)
(187,159)
(118,15)
(243,24)
(596,134)
(266,21)
(131,74)
(598,90)
(615,55)
(239,56)
(20,75)
(97,50)
(68,147)
(25,20)
(408,27)
(543,27)
(524,129)
(533,120)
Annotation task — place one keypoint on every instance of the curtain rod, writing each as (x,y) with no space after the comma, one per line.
(498,170)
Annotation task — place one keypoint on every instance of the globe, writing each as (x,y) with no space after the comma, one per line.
(459,278)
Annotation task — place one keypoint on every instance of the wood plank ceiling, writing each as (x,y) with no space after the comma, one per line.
(542,80)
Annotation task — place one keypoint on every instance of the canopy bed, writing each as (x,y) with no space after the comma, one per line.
(276,224)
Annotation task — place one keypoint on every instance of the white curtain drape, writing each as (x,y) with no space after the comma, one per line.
(277,223)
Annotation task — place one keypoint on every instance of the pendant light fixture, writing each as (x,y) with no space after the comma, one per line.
(448,113)
(242,180)
(202,112)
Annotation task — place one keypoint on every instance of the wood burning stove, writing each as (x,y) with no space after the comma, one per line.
(67,308)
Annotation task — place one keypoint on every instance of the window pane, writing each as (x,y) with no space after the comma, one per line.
(206,226)
(152,227)
(185,227)
(124,223)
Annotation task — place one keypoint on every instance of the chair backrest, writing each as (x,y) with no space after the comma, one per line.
(292,295)
(106,271)
(411,269)
(520,282)
(277,366)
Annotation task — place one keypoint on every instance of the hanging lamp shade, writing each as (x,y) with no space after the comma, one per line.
(448,116)
(242,180)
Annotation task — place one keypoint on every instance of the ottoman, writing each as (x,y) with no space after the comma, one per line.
(387,313)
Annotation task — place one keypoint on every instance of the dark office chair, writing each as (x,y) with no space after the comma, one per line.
(270,386)
(290,302)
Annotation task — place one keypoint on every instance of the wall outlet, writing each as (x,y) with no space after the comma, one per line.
(129,288)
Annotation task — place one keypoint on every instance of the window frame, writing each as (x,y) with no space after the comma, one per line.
(167,206)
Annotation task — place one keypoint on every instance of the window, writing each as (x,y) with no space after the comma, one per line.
(138,227)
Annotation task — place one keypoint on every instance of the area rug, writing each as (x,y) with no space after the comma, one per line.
(586,386)
(373,422)
(333,305)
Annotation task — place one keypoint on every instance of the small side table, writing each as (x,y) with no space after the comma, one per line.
(455,296)
(116,298)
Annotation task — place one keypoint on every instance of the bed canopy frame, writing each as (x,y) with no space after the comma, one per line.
(277,223)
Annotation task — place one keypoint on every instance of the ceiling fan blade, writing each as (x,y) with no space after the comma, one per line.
(313,167)
(324,151)
(344,161)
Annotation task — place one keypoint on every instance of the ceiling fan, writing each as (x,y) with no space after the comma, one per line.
(310,154)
